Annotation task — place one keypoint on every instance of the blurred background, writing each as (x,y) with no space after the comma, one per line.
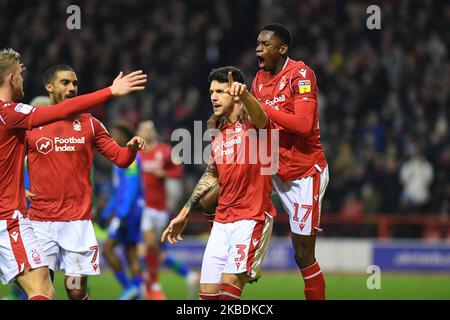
(384,115)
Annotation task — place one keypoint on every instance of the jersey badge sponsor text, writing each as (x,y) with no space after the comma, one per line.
(304,86)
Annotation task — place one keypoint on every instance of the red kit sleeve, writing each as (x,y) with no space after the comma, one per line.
(41,116)
(121,156)
(303,86)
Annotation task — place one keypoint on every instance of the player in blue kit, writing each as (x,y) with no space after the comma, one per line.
(124,211)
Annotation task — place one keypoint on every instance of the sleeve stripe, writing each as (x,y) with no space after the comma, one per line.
(290,83)
(1,118)
(92,126)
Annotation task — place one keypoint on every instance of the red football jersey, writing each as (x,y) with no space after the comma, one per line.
(60,157)
(300,154)
(245,193)
(14,119)
(158,158)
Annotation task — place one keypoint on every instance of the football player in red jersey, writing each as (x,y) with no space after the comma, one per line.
(243,222)
(60,157)
(21,255)
(288,92)
(161,180)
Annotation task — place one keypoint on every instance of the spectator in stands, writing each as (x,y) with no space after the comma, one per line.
(380,89)
(416,176)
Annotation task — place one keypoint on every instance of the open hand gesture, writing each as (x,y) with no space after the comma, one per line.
(137,143)
(131,82)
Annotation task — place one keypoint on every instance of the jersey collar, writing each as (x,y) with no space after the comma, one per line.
(285,63)
(271,77)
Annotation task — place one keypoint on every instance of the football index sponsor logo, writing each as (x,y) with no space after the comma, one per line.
(273,103)
(234,146)
(46,145)
(228,147)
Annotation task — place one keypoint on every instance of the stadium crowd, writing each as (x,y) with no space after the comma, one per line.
(384,94)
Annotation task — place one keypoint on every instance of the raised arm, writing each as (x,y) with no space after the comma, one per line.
(304,88)
(19,115)
(257,115)
(121,86)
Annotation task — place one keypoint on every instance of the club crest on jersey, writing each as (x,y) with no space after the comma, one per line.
(76,125)
(282,83)
(238,128)
(304,86)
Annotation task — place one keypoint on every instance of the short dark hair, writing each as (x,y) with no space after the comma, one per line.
(280,31)
(49,75)
(221,74)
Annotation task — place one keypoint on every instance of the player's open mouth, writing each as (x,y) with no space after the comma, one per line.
(217,107)
(260,61)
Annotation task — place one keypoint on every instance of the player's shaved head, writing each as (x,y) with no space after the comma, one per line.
(280,31)
(221,74)
(50,74)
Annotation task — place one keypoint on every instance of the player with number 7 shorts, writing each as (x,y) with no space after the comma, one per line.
(60,157)
(244,216)
(21,255)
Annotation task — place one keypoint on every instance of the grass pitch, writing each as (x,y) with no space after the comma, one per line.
(289,286)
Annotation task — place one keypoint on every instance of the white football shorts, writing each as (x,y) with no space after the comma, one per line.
(235,248)
(154,220)
(20,248)
(70,246)
(302,200)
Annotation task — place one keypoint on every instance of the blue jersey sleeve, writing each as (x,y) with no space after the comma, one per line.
(27,182)
(114,198)
(131,189)
(109,209)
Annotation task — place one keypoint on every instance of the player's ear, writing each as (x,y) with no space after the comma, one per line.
(49,87)
(10,78)
(284,49)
